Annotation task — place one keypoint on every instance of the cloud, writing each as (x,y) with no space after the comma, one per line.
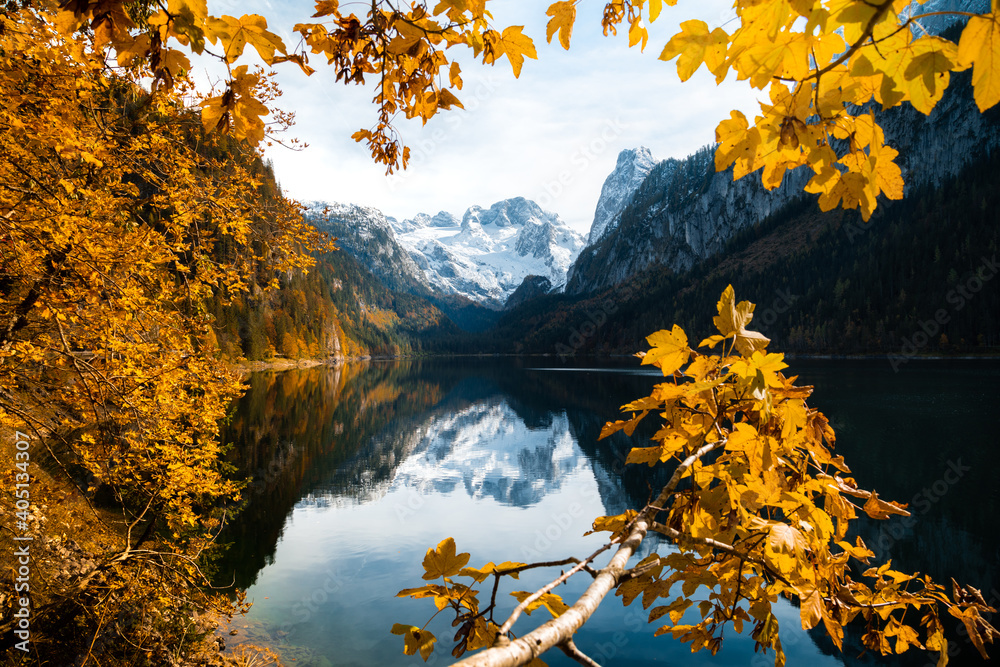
(553,135)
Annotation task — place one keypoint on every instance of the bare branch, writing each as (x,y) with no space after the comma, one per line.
(570,649)
(505,628)
(560,630)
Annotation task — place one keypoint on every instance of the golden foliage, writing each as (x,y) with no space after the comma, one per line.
(819,61)
(758,507)
(118,221)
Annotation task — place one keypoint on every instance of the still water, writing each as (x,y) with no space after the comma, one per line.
(358,470)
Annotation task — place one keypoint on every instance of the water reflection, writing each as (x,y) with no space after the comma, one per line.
(357,470)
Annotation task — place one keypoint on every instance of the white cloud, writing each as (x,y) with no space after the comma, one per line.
(553,135)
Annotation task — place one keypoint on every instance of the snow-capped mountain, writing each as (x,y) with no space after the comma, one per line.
(442,219)
(634,165)
(487,254)
(365,233)
(488,450)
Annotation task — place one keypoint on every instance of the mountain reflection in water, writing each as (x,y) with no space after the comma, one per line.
(357,470)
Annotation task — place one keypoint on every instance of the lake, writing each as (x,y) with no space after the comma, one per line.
(358,470)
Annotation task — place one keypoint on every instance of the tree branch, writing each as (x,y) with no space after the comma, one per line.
(19,319)
(560,630)
(505,628)
(570,649)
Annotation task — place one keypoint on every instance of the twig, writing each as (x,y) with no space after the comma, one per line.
(505,628)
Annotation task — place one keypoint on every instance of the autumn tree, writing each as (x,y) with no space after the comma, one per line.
(119,218)
(757,507)
(121,212)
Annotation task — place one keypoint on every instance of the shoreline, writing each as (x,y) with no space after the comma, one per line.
(280,365)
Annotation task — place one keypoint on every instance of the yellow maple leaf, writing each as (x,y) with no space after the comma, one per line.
(213,114)
(785,548)
(656,6)
(637,33)
(480,574)
(738,145)
(670,350)
(563,15)
(443,561)
(979,46)
(647,455)
(695,45)
(732,320)
(440,594)
(415,639)
(517,46)
(877,508)
(811,608)
(552,602)
(326,7)
(928,72)
(236,33)
(613,524)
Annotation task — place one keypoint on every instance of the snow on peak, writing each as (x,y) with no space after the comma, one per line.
(366,219)
(367,234)
(487,254)
(634,164)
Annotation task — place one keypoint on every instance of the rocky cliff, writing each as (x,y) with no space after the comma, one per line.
(684,212)
(366,234)
(633,167)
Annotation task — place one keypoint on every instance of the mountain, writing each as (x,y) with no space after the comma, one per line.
(366,234)
(633,167)
(531,287)
(685,212)
(485,256)
(442,219)
(918,279)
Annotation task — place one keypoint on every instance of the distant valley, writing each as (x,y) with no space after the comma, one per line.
(668,236)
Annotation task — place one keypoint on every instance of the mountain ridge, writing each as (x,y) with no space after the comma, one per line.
(488,253)
(685,212)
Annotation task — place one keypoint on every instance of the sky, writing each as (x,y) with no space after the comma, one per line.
(553,135)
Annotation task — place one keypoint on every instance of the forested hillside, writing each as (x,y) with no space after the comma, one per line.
(337,309)
(121,219)
(824,282)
